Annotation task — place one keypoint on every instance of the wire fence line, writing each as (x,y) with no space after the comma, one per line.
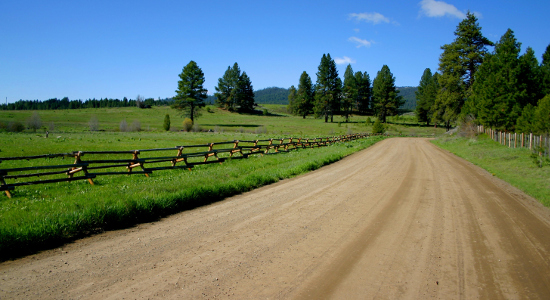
(535,143)
(88,165)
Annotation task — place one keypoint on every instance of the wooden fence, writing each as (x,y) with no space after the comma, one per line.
(536,143)
(90,164)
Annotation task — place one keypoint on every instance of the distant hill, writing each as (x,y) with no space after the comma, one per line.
(408,95)
(271,95)
(277,95)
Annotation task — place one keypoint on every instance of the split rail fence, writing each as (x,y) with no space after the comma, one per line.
(102,163)
(535,143)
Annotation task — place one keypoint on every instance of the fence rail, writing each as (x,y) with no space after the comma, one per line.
(535,143)
(186,157)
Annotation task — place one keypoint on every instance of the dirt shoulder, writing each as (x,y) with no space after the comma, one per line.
(401,219)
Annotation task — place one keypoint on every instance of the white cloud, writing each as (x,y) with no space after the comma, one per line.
(344,60)
(360,42)
(433,8)
(374,18)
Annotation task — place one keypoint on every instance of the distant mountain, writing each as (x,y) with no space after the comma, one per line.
(271,95)
(277,95)
(409,96)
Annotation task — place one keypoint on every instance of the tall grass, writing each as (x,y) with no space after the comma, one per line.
(48,215)
(514,166)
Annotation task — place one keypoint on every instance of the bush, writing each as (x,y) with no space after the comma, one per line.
(123,126)
(34,122)
(166,124)
(378,127)
(136,126)
(94,123)
(368,121)
(187,124)
(16,126)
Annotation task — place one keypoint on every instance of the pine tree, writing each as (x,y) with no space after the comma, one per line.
(364,92)
(498,95)
(349,92)
(225,91)
(526,122)
(458,64)
(385,100)
(304,96)
(327,89)
(166,124)
(234,91)
(292,101)
(545,71)
(542,116)
(425,95)
(190,94)
(245,100)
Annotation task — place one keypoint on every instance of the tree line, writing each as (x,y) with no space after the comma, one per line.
(331,96)
(499,89)
(65,103)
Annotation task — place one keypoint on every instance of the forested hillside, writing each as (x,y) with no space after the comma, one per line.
(271,95)
(407,92)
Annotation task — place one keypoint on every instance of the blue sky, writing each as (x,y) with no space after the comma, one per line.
(116,49)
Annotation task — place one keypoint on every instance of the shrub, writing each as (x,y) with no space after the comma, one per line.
(196,128)
(368,121)
(16,126)
(94,123)
(136,126)
(123,126)
(34,122)
(378,127)
(187,124)
(166,124)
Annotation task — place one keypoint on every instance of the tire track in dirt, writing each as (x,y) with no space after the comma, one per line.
(401,220)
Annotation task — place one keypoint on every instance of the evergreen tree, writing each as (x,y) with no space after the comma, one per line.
(226,86)
(166,124)
(545,71)
(245,102)
(364,92)
(526,122)
(425,95)
(458,64)
(542,116)
(292,105)
(498,96)
(530,78)
(234,91)
(349,92)
(385,100)
(190,94)
(304,96)
(327,89)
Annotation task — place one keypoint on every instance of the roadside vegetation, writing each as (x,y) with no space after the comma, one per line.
(514,166)
(49,215)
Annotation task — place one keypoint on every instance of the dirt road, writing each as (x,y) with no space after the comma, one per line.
(400,220)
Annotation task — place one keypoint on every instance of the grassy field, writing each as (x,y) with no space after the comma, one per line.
(514,166)
(277,123)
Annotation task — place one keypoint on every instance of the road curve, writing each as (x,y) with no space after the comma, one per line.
(400,220)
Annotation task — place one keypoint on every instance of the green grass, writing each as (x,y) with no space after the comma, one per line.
(277,124)
(514,166)
(44,216)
